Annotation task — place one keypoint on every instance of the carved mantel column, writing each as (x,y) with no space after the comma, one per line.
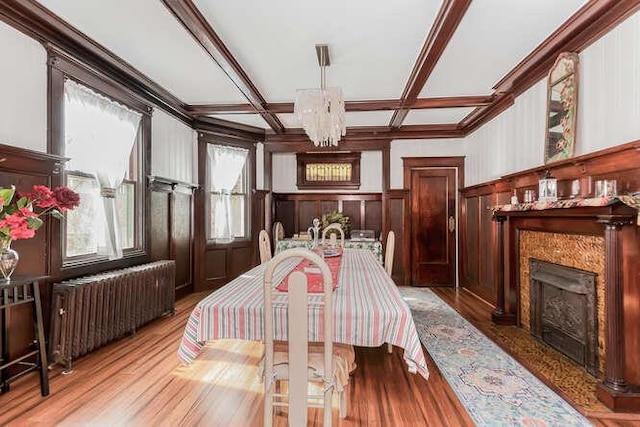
(614,383)
(499,315)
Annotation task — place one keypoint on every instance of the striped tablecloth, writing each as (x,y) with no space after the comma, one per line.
(374,246)
(368,311)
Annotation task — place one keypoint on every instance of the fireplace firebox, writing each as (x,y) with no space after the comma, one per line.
(564,312)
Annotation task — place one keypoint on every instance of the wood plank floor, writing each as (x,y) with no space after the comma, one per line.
(138,381)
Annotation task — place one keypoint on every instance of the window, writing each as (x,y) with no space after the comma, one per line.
(102,139)
(329,170)
(229,193)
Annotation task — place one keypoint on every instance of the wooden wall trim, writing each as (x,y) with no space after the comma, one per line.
(449,17)
(591,22)
(327,196)
(368,105)
(196,24)
(36,21)
(621,159)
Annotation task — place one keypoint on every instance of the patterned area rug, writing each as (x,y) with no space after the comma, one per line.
(494,388)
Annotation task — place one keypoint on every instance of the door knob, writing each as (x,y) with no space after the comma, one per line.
(452,224)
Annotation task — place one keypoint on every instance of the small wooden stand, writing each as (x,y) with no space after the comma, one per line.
(22,290)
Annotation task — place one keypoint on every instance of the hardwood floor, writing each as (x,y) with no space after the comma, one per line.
(138,381)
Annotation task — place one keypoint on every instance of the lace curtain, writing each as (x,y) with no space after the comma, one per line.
(99,136)
(226,164)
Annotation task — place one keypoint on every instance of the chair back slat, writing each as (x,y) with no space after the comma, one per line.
(333,240)
(389,251)
(298,336)
(264,245)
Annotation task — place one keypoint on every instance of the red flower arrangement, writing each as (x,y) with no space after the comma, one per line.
(21,214)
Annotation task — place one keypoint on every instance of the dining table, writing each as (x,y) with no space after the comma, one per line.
(368,310)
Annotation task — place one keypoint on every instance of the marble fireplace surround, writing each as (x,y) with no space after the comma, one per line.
(597,239)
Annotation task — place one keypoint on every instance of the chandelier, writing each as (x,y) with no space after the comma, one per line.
(321,111)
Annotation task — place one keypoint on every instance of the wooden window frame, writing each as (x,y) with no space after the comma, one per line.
(61,67)
(331,158)
(204,139)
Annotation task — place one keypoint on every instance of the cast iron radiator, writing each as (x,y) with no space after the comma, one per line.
(91,311)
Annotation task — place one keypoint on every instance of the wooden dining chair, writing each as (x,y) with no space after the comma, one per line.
(389,250)
(298,361)
(277,232)
(264,244)
(333,226)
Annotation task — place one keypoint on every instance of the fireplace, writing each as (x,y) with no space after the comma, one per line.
(563,311)
(618,283)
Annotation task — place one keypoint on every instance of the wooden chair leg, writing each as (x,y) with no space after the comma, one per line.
(343,403)
(268,408)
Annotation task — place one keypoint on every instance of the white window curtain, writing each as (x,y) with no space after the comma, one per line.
(99,136)
(226,164)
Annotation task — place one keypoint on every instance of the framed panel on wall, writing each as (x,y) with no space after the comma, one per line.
(328,171)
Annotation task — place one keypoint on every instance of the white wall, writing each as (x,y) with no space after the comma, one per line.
(173,148)
(284,173)
(608,115)
(420,148)
(608,111)
(259,166)
(609,103)
(23,91)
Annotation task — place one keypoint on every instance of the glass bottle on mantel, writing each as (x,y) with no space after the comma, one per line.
(514,198)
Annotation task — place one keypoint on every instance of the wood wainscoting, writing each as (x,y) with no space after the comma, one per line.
(171,218)
(296,211)
(24,169)
(380,212)
(494,278)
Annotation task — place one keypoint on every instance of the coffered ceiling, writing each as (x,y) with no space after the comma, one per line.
(408,68)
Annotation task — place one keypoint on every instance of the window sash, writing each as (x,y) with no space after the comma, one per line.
(239,201)
(80,229)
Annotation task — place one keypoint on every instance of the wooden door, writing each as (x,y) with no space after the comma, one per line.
(432,226)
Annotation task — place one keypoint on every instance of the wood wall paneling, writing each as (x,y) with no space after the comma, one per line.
(329,206)
(307,211)
(215,265)
(260,206)
(242,257)
(481,265)
(285,212)
(621,163)
(351,208)
(296,210)
(373,217)
(172,228)
(470,275)
(486,245)
(160,225)
(25,168)
(397,213)
(182,240)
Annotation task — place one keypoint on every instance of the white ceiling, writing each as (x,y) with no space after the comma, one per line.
(374,45)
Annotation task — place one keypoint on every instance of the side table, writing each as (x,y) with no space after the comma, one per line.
(22,290)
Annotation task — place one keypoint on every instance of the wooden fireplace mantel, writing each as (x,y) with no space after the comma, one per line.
(616,222)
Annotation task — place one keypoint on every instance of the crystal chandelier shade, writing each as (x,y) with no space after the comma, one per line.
(321,111)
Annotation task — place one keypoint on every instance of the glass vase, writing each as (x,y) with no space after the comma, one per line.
(8,261)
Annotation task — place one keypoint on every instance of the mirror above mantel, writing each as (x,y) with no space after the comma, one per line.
(562,104)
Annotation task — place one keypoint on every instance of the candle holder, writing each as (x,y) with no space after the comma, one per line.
(548,188)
